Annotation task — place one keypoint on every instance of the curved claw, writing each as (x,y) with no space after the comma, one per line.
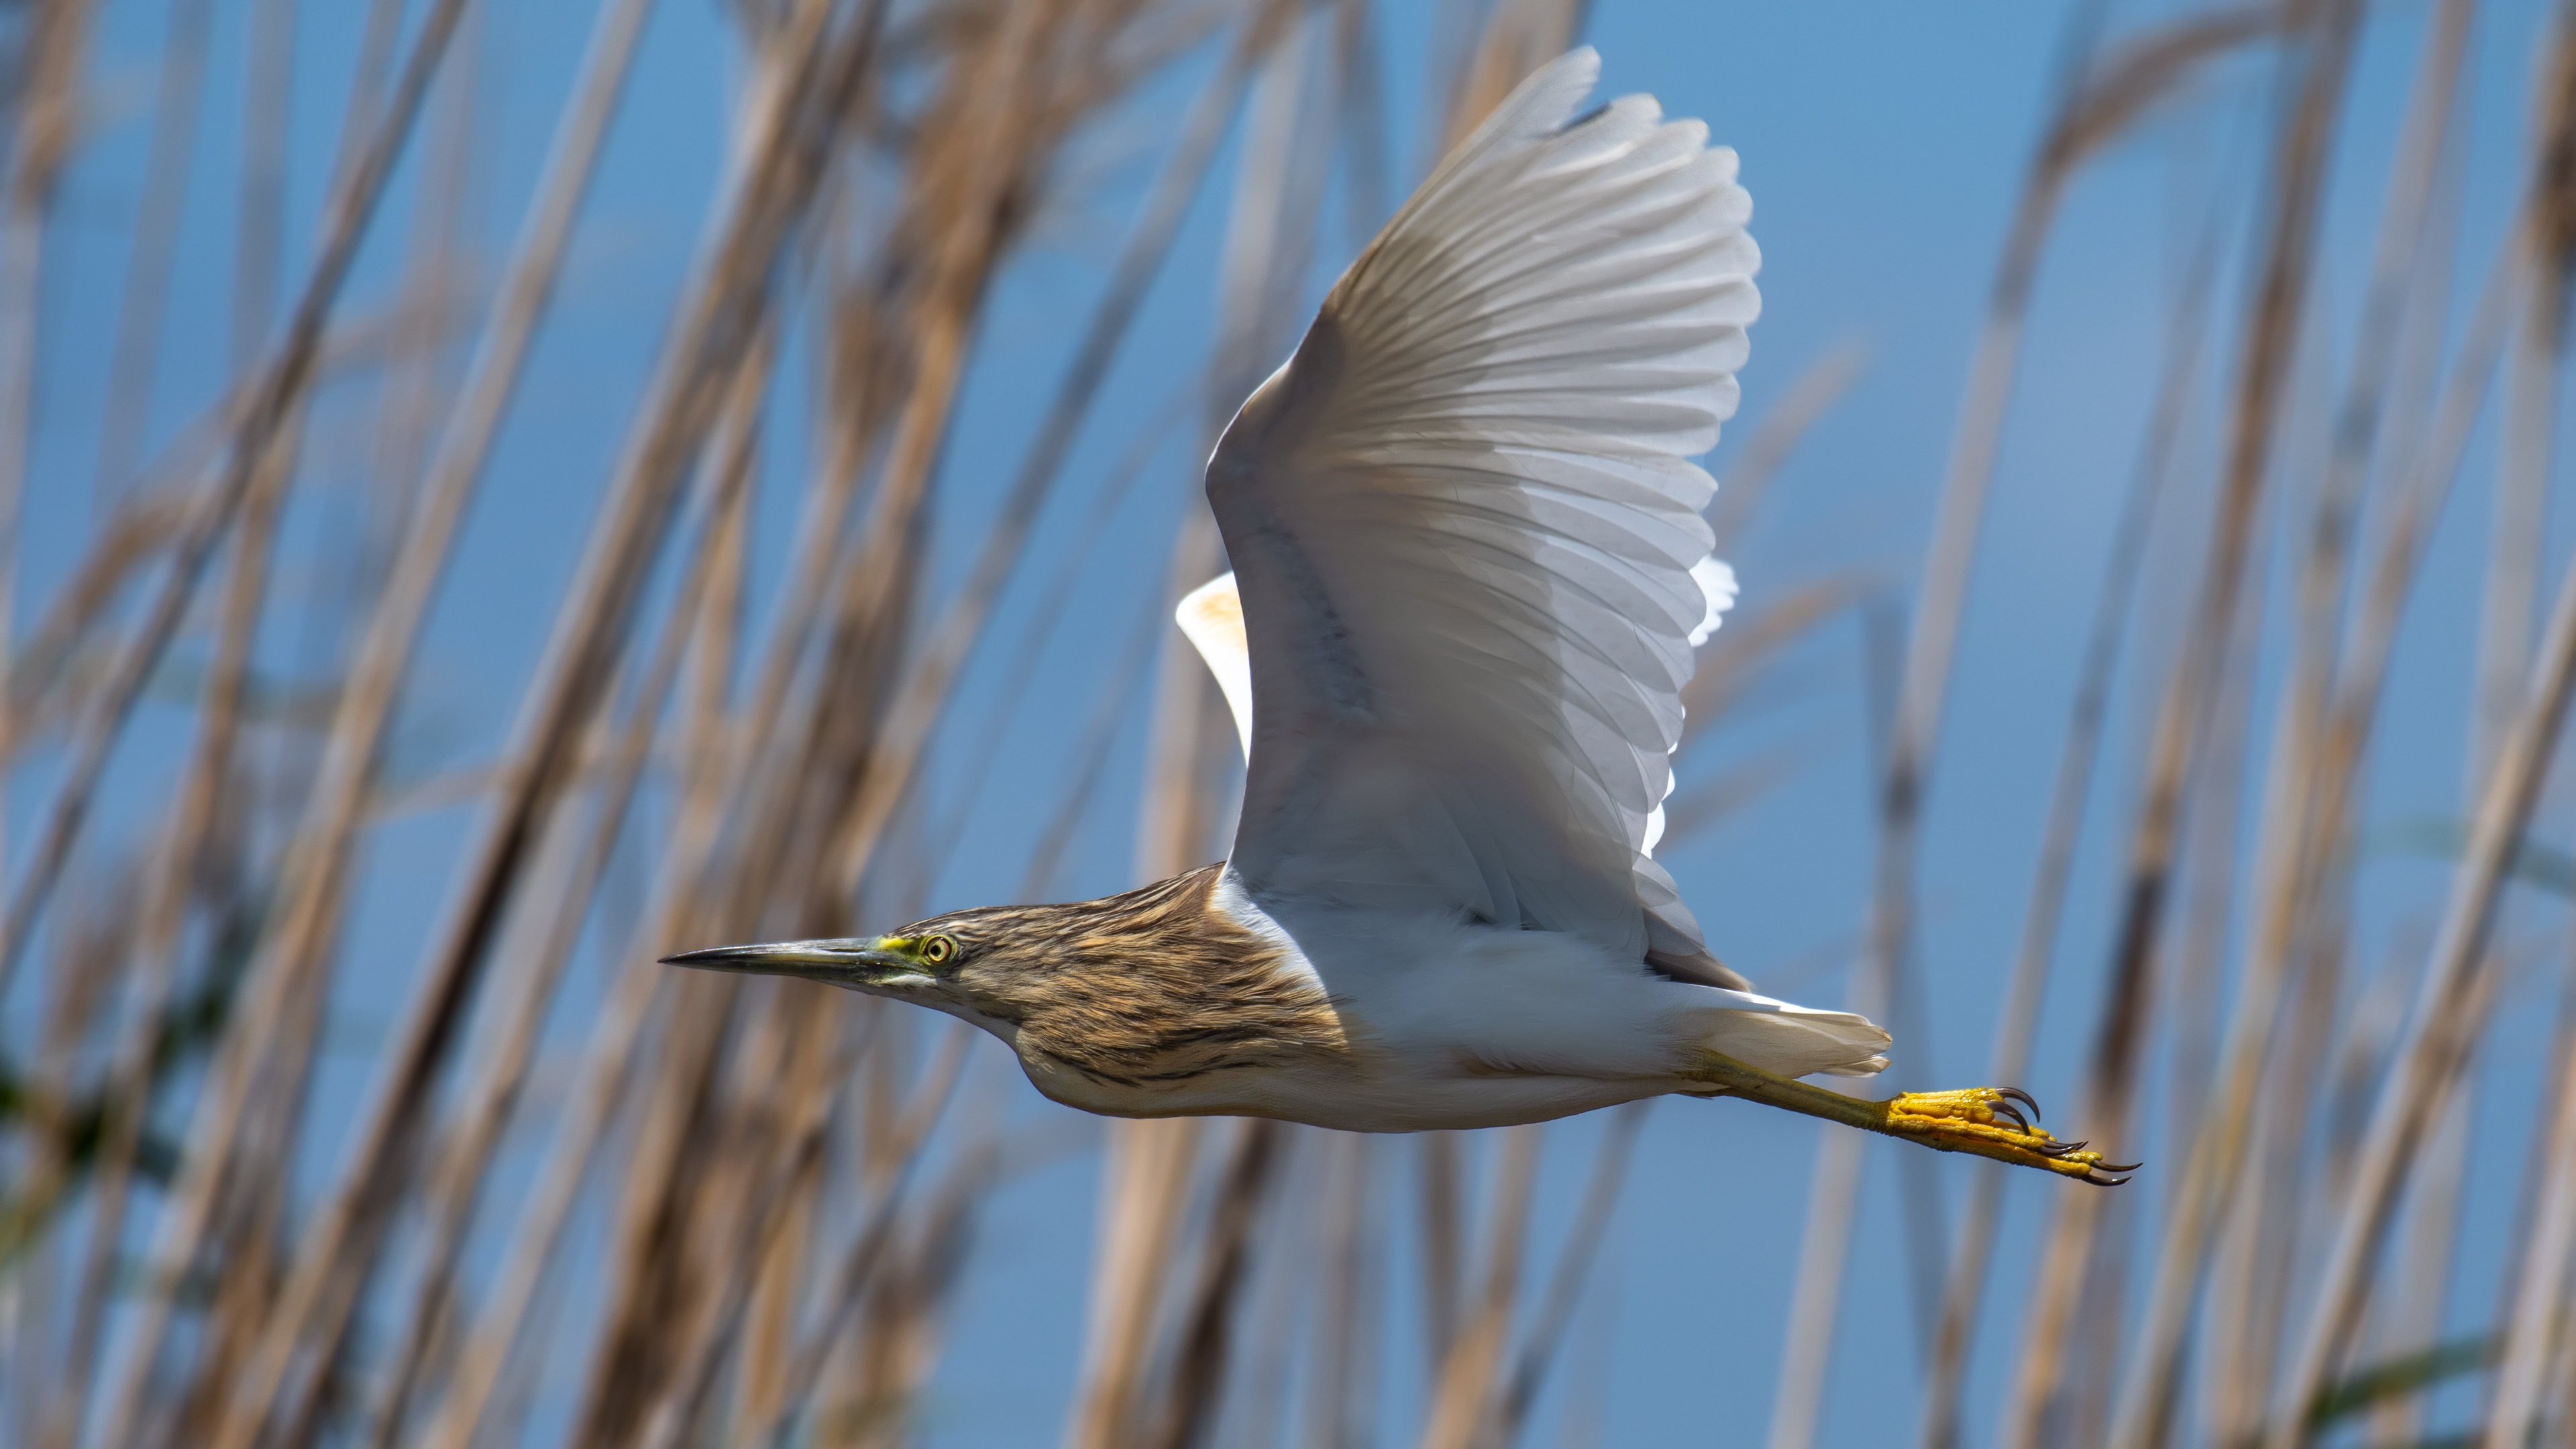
(2016,1094)
(2000,1123)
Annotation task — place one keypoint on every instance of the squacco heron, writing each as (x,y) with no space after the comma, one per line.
(1470,571)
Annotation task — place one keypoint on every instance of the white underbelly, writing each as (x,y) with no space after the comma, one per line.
(1462,1004)
(1362,1094)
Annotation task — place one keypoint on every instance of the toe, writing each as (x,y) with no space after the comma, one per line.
(2000,1123)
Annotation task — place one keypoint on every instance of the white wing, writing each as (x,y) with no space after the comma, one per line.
(1465,529)
(1211,616)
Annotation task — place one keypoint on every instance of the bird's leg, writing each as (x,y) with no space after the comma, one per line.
(1996,1122)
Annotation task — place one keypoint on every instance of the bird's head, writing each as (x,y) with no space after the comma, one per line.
(984,965)
(1112,1004)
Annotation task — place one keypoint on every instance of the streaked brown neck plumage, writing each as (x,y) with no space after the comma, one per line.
(1142,990)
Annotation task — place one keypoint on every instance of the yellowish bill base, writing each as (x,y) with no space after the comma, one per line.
(2001,1123)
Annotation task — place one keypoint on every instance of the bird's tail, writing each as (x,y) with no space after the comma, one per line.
(1794,1040)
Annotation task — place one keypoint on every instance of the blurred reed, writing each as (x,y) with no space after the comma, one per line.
(663,1209)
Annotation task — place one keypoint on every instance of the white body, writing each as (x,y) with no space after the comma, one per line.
(1457,1026)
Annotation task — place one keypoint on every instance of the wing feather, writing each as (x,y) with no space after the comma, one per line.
(1467,536)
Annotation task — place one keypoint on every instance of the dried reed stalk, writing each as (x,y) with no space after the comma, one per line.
(2428,475)
(1278,1291)
(1342,1383)
(2434,1047)
(2532,1300)
(1189,1412)
(994,104)
(904,1146)
(1583,1240)
(986,144)
(597,1093)
(416,391)
(272,408)
(1149,1167)
(708,345)
(1117,694)
(2530,433)
(250,1205)
(1963,1295)
(1518,37)
(782,169)
(1441,1201)
(79,989)
(490,1092)
(759,1228)
(2439,1037)
(1823,1252)
(2092,111)
(2251,1271)
(2210,864)
(902,487)
(134,363)
(1776,434)
(2531,1311)
(200,832)
(913,1291)
(1054,600)
(1143,1182)
(858,619)
(51,55)
(2290,852)
(1464,1401)
(2317,65)
(922,698)
(1364,167)
(259,238)
(365,709)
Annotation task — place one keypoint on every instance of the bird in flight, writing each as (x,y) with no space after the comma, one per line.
(1470,571)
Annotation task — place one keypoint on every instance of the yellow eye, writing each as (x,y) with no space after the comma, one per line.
(938,951)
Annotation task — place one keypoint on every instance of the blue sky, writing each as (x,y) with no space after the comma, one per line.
(1883,144)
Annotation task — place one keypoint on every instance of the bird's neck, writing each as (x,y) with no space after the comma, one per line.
(1164,986)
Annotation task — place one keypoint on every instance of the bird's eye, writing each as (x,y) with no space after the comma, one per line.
(938,951)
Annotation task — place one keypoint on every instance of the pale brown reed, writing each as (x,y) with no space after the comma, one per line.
(745,1156)
(140,319)
(2291,855)
(1135,1364)
(2316,62)
(51,52)
(1963,1295)
(2098,102)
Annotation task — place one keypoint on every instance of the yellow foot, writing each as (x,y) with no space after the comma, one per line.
(1991,1122)
(1997,1122)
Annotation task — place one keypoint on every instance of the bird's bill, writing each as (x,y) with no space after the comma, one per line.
(855,962)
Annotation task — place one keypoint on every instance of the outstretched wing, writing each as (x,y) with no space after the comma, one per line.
(1464,527)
